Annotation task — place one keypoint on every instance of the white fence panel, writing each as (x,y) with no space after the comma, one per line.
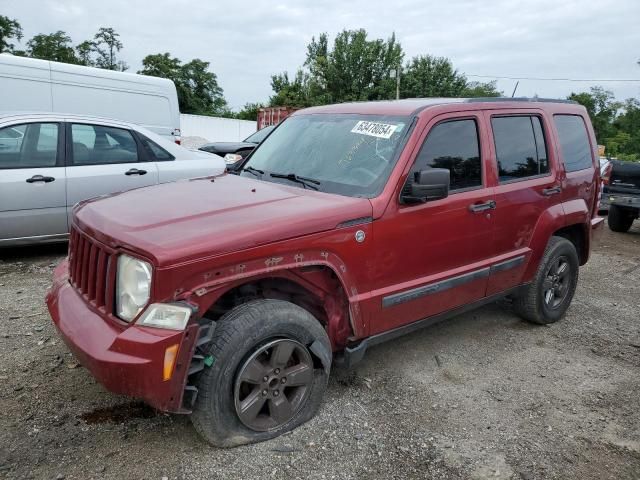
(216,129)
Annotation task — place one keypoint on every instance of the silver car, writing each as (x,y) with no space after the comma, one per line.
(50,162)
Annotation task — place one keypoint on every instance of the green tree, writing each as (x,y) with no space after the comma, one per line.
(107,44)
(602,108)
(10,30)
(429,76)
(84,53)
(625,144)
(54,46)
(203,92)
(354,68)
(249,111)
(197,87)
(480,89)
(294,92)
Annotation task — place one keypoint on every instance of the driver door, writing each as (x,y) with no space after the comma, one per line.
(434,256)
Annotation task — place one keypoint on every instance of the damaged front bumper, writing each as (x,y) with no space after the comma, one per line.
(126,359)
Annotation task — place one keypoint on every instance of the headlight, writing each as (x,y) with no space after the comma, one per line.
(165,315)
(230,158)
(133,286)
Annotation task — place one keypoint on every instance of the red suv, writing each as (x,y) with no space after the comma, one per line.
(229,297)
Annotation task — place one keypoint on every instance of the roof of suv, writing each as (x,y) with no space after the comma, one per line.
(412,106)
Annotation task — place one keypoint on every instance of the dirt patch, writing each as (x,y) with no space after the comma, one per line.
(119,413)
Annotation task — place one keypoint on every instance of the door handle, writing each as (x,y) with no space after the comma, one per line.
(40,178)
(481,207)
(551,191)
(135,171)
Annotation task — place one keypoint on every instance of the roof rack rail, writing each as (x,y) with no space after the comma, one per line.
(518,99)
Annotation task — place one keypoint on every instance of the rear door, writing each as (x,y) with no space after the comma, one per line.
(104,159)
(527,183)
(32,181)
(577,154)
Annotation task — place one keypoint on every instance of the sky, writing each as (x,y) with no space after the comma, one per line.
(247,42)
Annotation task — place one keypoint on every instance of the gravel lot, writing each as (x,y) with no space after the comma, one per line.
(484,395)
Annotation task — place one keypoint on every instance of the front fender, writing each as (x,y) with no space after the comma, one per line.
(207,285)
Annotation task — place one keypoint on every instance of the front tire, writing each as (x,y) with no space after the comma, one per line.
(620,219)
(265,379)
(546,299)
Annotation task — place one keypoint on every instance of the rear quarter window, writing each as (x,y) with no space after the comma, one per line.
(574,142)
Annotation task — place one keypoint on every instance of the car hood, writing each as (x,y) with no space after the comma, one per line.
(189,219)
(227,147)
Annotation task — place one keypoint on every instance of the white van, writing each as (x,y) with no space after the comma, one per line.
(28,84)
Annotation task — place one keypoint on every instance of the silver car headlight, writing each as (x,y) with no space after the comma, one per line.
(133,287)
(230,158)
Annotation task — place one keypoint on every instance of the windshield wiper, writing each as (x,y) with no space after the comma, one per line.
(305,181)
(255,171)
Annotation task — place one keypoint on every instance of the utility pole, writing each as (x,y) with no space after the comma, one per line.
(398,82)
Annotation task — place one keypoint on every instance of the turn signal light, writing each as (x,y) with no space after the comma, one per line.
(170,355)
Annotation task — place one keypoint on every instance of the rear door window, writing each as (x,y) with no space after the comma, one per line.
(574,142)
(100,145)
(520,147)
(453,145)
(30,145)
(154,151)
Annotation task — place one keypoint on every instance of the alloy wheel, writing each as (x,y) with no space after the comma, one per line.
(273,384)
(557,282)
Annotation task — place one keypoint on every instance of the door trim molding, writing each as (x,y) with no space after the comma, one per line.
(449,283)
(436,287)
(507,264)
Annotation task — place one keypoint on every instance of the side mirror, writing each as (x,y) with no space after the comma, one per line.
(427,185)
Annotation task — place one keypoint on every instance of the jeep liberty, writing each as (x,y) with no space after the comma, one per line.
(228,298)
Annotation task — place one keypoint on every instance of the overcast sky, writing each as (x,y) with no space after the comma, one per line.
(247,42)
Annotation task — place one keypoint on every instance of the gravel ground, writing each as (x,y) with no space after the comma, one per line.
(484,395)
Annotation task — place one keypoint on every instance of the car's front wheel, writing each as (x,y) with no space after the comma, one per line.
(547,298)
(270,368)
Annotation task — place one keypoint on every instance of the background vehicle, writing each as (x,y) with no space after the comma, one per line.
(622,193)
(235,152)
(54,161)
(268,116)
(605,168)
(349,225)
(29,84)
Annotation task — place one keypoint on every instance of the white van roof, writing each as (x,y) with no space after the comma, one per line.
(9,59)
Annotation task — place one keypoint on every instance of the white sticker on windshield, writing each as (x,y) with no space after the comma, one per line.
(374,129)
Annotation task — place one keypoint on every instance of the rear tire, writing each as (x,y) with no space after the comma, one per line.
(241,397)
(620,219)
(546,299)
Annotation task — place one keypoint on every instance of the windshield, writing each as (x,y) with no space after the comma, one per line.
(346,154)
(259,135)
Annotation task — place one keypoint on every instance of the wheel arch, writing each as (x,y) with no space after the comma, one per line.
(317,288)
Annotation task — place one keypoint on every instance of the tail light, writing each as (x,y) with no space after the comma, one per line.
(606,174)
(177,136)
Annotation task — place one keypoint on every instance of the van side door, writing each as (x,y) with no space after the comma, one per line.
(103,159)
(32,182)
(528,185)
